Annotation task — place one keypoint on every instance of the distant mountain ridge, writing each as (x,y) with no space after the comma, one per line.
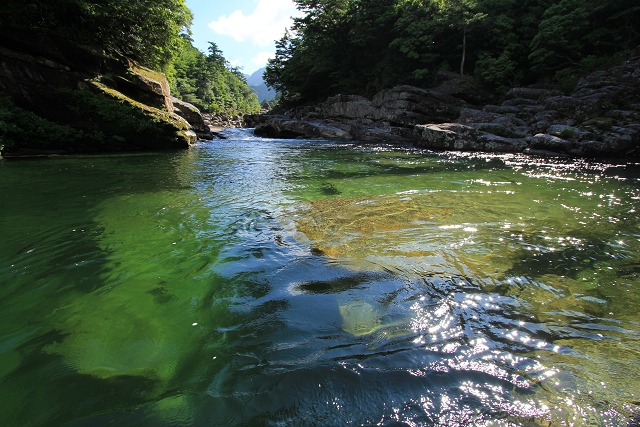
(256,83)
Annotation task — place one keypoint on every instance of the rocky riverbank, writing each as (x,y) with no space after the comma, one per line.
(58,97)
(600,118)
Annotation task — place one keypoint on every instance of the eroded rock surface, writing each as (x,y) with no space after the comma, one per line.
(389,116)
(85,102)
(601,118)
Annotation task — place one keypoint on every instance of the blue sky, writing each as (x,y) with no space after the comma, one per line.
(244,30)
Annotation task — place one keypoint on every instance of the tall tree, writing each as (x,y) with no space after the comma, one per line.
(461,15)
(146,30)
(210,83)
(362,46)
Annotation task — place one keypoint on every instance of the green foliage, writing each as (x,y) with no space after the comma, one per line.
(575,35)
(209,83)
(569,77)
(501,72)
(496,130)
(130,116)
(363,46)
(92,120)
(146,30)
(566,133)
(460,15)
(21,127)
(558,39)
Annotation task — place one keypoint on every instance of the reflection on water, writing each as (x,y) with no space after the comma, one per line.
(264,282)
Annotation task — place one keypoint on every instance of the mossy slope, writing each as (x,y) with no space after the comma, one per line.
(70,100)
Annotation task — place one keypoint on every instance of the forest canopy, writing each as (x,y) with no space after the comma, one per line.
(209,82)
(146,30)
(363,46)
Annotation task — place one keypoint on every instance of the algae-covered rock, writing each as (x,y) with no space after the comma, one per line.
(138,323)
(360,318)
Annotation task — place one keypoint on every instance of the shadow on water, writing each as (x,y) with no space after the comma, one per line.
(53,255)
(419,350)
(56,394)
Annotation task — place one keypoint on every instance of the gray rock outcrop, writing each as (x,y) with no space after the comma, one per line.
(600,118)
(282,127)
(389,115)
(192,115)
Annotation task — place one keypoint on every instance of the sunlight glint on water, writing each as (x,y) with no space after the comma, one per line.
(310,282)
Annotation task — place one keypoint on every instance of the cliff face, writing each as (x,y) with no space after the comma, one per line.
(57,97)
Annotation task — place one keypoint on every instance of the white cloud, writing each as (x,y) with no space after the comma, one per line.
(262,57)
(266,23)
(234,62)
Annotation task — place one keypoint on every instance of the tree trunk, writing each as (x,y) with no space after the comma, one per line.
(464,50)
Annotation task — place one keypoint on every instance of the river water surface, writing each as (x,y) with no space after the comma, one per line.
(293,283)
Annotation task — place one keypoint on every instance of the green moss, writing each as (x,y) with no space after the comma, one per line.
(566,133)
(496,130)
(97,119)
(149,73)
(188,136)
(110,111)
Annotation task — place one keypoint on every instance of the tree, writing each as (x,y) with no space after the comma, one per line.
(210,83)
(146,30)
(580,36)
(418,41)
(460,14)
(558,42)
(363,46)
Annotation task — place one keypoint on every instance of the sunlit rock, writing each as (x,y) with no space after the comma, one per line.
(451,136)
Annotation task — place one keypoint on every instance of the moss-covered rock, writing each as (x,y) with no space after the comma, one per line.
(56,97)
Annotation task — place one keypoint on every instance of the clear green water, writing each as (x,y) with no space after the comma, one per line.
(261,282)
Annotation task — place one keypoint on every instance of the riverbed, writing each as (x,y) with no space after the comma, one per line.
(251,281)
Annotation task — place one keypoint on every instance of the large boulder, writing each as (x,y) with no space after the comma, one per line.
(283,127)
(447,136)
(191,114)
(500,144)
(465,88)
(600,118)
(389,116)
(79,101)
(548,142)
(381,133)
(456,136)
(347,107)
(528,93)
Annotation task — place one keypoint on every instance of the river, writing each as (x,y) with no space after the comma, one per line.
(250,282)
